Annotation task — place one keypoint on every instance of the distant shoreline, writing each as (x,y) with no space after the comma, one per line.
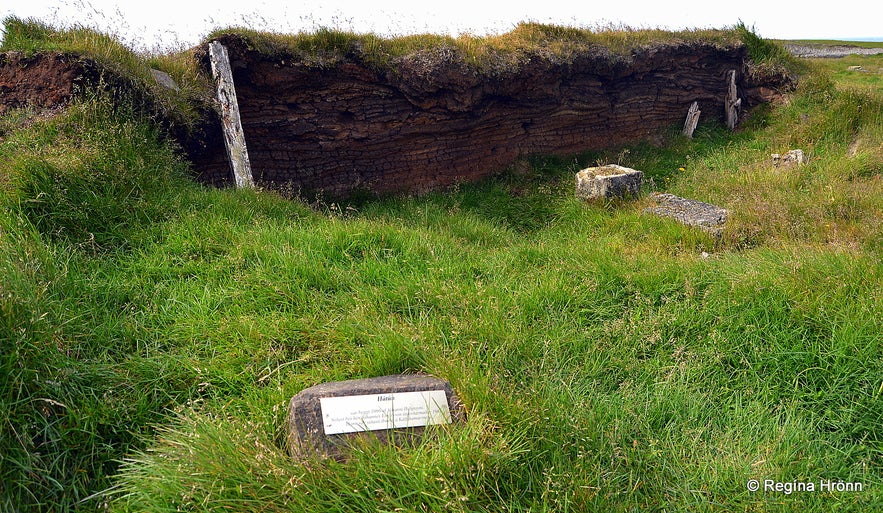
(829,51)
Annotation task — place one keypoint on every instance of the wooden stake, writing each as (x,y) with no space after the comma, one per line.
(692,119)
(234,138)
(733,102)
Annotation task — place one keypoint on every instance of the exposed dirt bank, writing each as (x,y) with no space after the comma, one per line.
(428,120)
(42,80)
(431,120)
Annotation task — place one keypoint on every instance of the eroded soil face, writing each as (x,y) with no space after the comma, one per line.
(39,81)
(427,121)
(431,121)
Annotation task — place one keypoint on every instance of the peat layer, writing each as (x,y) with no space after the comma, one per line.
(430,118)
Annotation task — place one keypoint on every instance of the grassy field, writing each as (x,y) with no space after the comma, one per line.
(153,330)
(870,80)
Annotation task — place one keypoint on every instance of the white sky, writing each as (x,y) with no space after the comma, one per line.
(158,24)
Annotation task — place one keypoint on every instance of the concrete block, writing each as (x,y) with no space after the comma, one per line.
(610,181)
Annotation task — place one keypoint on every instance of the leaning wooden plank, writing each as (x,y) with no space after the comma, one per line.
(692,119)
(234,138)
(733,102)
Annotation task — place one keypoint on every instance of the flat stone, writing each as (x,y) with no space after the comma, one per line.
(610,181)
(164,79)
(324,419)
(706,216)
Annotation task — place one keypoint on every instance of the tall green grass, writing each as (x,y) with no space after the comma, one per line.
(76,188)
(89,179)
(153,331)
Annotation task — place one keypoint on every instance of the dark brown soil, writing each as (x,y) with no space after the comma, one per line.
(39,81)
(429,120)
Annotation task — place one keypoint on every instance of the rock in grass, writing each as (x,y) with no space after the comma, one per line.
(709,218)
(324,418)
(610,181)
(164,79)
(792,157)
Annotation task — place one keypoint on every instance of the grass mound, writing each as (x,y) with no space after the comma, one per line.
(87,183)
(89,179)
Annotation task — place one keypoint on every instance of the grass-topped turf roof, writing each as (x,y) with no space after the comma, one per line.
(488,54)
(325,46)
(554,42)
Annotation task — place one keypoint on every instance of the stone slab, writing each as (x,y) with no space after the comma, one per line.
(610,181)
(164,79)
(324,418)
(706,216)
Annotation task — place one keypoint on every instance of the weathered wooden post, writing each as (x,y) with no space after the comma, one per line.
(692,119)
(234,138)
(733,102)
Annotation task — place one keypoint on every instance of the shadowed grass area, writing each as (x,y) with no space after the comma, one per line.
(152,330)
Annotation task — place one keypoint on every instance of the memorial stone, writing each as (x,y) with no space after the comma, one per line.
(395,409)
